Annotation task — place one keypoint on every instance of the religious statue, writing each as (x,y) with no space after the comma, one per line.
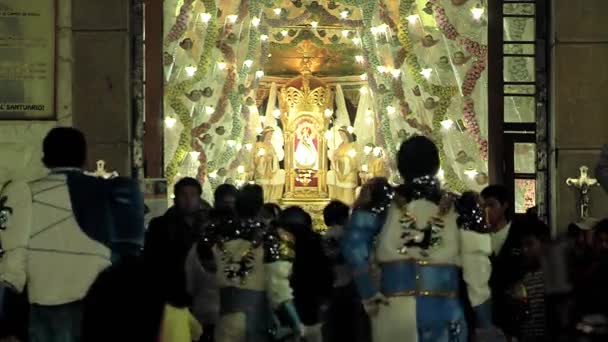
(306,154)
(266,170)
(583,184)
(342,179)
(376,164)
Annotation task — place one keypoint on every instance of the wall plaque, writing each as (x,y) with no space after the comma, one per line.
(27,59)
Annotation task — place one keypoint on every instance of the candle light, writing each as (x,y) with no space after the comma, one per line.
(205,17)
(278,11)
(264,37)
(255,21)
(190,70)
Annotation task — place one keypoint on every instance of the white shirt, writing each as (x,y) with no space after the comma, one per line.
(499,238)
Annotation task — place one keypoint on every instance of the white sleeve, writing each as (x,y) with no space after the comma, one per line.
(16,236)
(277,282)
(476,267)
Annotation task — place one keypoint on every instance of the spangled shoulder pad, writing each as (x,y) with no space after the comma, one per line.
(470,215)
(279,245)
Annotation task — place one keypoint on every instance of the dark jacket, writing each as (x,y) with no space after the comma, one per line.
(312,278)
(168,240)
(506,271)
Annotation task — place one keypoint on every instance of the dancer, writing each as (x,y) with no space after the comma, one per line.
(252,262)
(425,240)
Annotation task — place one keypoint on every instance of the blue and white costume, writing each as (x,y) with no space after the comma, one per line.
(424,242)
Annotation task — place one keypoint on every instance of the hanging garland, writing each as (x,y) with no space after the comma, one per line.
(176,91)
(181,22)
(444,93)
(235,100)
(372,63)
(471,77)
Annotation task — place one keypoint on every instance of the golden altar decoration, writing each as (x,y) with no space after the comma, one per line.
(305,103)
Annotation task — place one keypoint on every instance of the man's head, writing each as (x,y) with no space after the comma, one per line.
(64,147)
(249,201)
(187,193)
(224,197)
(533,239)
(495,202)
(335,214)
(600,238)
(417,157)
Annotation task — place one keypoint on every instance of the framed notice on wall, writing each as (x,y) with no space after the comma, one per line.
(27,59)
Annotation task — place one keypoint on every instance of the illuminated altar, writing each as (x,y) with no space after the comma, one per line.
(310,77)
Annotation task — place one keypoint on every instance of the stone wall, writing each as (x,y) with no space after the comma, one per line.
(21,141)
(93,90)
(101,87)
(579,112)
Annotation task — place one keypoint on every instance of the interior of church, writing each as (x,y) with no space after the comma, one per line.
(438,168)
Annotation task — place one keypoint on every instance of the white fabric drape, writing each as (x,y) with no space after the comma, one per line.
(364,122)
(342,118)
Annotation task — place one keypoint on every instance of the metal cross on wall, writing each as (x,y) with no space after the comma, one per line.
(583,184)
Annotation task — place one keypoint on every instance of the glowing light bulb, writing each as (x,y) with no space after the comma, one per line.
(367,150)
(377,151)
(357,41)
(345,33)
(352,153)
(277,11)
(395,73)
(213,175)
(170,122)
(391,110)
(205,17)
(231,143)
(477,12)
(276,113)
(255,21)
(248,63)
(441,174)
(254,109)
(383,28)
(209,110)
(328,112)
(471,173)
(328,135)
(261,151)
(221,65)
(232,18)
(264,37)
(363,77)
(364,168)
(447,124)
(413,18)
(344,14)
(359,59)
(259,130)
(259,74)
(381,69)
(350,129)
(240,169)
(284,33)
(248,146)
(426,72)
(194,154)
(363,90)
(190,70)
(314,24)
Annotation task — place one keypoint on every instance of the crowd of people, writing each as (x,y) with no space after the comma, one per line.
(411,263)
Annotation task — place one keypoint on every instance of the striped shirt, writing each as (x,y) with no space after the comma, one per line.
(534,326)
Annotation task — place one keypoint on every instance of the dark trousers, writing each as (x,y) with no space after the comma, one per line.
(59,323)
(346,319)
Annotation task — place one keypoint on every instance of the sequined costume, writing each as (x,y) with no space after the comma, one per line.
(252,263)
(425,241)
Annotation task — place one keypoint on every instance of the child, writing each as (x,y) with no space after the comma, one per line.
(532,324)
